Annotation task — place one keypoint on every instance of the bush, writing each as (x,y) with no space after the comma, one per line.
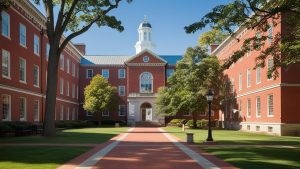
(202,123)
(189,123)
(73,124)
(5,127)
(177,122)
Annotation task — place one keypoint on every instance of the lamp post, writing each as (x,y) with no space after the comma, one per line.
(209,97)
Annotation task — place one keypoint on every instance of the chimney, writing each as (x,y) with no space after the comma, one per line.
(80,47)
(213,47)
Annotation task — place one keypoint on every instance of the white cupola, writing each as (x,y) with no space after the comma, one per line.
(144,41)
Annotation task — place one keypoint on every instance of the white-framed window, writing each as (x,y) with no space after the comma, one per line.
(73,113)
(89,73)
(36,110)
(248,77)
(68,113)
(121,90)
(146,82)
(146,59)
(170,72)
(68,65)
(240,81)
(62,62)
(258,107)
(36,76)
(73,69)
(47,51)
(6,107)
(270,66)
(270,34)
(5,20)
(68,88)
(22,35)
(61,91)
(22,70)
(105,113)
(61,112)
(22,108)
(122,110)
(89,113)
(73,90)
(249,108)
(105,73)
(258,75)
(240,106)
(5,64)
(270,106)
(121,73)
(36,45)
(77,92)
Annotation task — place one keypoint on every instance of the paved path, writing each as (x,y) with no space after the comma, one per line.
(145,148)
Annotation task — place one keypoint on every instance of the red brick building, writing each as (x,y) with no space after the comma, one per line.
(259,103)
(24,53)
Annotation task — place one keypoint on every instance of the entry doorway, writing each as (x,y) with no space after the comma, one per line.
(146,112)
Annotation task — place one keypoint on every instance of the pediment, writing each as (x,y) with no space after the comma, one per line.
(146,57)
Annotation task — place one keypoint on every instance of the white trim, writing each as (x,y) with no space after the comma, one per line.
(3,12)
(61,117)
(120,87)
(102,72)
(249,78)
(23,45)
(144,51)
(258,72)
(8,64)
(62,62)
(119,70)
(25,109)
(240,81)
(262,123)
(25,79)
(260,90)
(68,113)
(9,108)
(152,85)
(38,76)
(120,110)
(36,37)
(68,65)
(61,86)
(38,109)
(87,73)
(249,107)
(256,110)
(146,64)
(268,104)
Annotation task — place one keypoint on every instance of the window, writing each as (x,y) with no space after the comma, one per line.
(146,58)
(249,108)
(5,19)
(270,129)
(36,45)
(89,113)
(121,90)
(62,62)
(47,51)
(77,92)
(68,113)
(105,73)
(36,110)
(105,113)
(248,127)
(122,110)
(5,64)
(258,75)
(258,107)
(68,88)
(22,108)
(257,128)
(22,35)
(248,77)
(61,91)
(6,109)
(68,65)
(240,81)
(121,73)
(22,70)
(73,69)
(270,67)
(270,34)
(89,73)
(170,72)
(270,105)
(73,90)
(146,82)
(62,112)
(35,75)
(73,113)
(258,41)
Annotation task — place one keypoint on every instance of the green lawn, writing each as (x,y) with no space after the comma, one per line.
(248,156)
(235,137)
(37,157)
(80,136)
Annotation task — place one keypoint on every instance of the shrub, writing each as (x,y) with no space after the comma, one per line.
(5,127)
(202,123)
(73,124)
(189,123)
(176,122)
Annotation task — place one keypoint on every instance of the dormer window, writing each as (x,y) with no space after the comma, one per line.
(146,59)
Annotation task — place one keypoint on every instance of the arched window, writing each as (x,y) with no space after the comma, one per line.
(145,36)
(146,82)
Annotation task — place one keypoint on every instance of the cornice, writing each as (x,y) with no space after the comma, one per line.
(99,65)
(146,64)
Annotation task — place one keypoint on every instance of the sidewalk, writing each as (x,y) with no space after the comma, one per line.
(145,148)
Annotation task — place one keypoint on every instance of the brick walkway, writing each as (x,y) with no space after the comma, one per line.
(145,148)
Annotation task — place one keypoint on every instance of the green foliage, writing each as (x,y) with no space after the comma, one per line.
(258,15)
(73,124)
(4,4)
(177,122)
(200,123)
(98,95)
(214,36)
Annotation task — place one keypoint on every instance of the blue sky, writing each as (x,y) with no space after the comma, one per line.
(167,17)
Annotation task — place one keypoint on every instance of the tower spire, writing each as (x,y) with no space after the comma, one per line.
(144,41)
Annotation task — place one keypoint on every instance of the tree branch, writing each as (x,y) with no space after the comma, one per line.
(60,17)
(69,14)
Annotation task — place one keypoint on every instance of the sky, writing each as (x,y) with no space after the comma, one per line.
(167,17)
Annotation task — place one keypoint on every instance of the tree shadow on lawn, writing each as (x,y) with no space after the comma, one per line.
(249,157)
(37,157)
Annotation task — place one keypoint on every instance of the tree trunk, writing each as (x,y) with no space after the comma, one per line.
(194,120)
(49,123)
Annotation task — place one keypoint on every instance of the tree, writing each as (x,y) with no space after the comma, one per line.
(4,4)
(258,15)
(74,17)
(99,95)
(187,87)
(213,36)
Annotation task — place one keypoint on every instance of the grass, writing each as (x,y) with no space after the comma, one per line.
(37,157)
(235,137)
(248,156)
(76,136)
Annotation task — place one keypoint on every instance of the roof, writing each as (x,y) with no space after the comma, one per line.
(145,24)
(121,59)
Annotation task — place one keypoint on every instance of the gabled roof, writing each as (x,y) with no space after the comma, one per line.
(104,59)
(144,51)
